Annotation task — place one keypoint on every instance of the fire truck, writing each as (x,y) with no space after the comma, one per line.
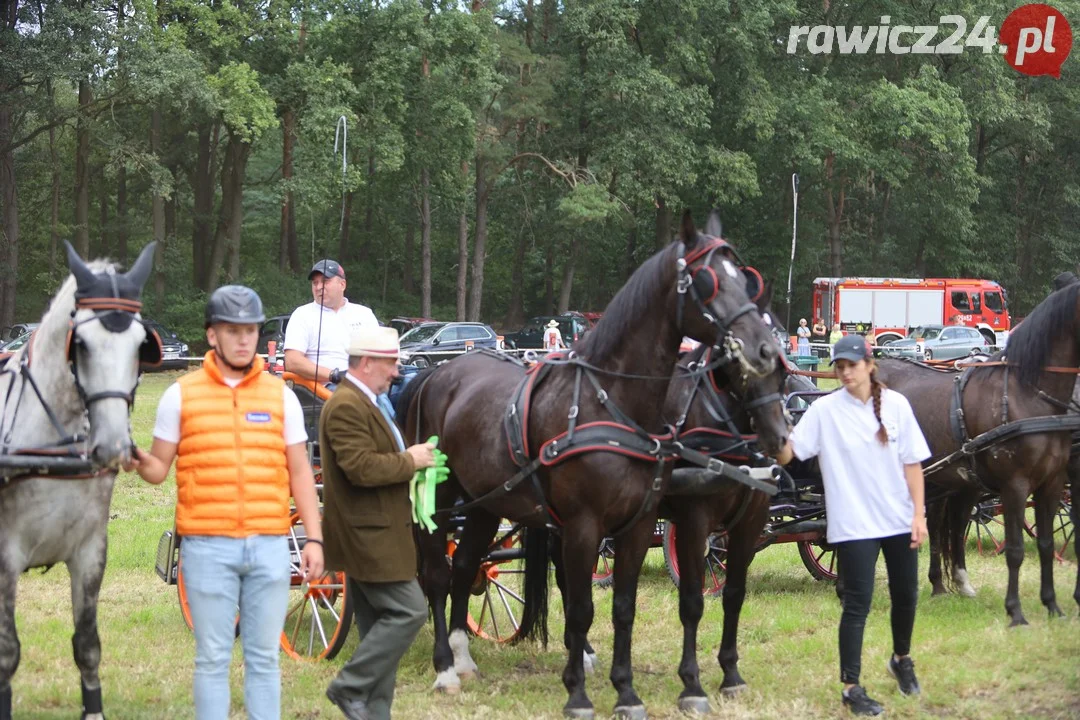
(887,308)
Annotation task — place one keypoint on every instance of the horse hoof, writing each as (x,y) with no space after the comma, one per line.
(691,705)
(630,712)
(967,591)
(448,689)
(733,691)
(579,713)
(467,675)
(1017,622)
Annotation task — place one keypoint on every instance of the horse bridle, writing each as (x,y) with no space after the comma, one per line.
(116,315)
(702,284)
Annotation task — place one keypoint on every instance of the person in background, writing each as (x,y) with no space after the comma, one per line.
(319,331)
(803,334)
(836,334)
(870,449)
(238,437)
(553,339)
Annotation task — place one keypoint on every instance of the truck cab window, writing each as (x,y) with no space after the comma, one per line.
(960,301)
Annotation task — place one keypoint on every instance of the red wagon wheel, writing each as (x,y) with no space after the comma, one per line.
(712,582)
(603,574)
(319,613)
(819,558)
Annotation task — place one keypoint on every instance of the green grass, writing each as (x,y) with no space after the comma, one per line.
(970,664)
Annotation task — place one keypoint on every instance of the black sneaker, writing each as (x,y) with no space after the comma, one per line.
(904,672)
(860,703)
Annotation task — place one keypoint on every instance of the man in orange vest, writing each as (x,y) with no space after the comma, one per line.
(238,437)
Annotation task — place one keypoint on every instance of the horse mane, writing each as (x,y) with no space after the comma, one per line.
(1031,344)
(628,306)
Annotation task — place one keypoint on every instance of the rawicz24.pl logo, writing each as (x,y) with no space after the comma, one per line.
(1035,39)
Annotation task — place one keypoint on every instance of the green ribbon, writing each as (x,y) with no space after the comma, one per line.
(422,488)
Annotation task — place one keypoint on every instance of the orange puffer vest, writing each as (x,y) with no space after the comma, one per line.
(231,474)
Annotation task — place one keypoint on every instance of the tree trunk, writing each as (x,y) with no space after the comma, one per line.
(408,282)
(236,215)
(462,286)
(369,211)
(346,220)
(54,217)
(631,248)
(9,206)
(103,201)
(202,184)
(567,278)
(476,292)
(515,311)
(663,223)
(834,205)
(425,244)
(121,251)
(288,251)
(549,282)
(230,217)
(157,215)
(82,171)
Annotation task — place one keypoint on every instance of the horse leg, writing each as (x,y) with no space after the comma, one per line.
(1046,505)
(580,543)
(742,541)
(935,516)
(436,575)
(959,513)
(9,638)
(630,549)
(691,534)
(1014,500)
(476,536)
(87,567)
(590,660)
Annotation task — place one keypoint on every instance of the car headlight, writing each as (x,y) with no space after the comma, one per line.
(183,349)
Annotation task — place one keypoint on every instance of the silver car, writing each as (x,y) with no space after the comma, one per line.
(938,342)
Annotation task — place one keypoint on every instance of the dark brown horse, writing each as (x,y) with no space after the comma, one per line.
(721,420)
(1014,469)
(691,288)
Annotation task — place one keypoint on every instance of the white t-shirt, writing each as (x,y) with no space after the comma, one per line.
(553,339)
(866,495)
(302,332)
(167,424)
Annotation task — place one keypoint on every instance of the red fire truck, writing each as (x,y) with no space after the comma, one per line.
(886,308)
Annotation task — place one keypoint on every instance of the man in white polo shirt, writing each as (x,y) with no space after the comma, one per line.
(317,337)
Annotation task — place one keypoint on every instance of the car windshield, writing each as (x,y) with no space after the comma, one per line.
(13,345)
(921,333)
(421,334)
(161,331)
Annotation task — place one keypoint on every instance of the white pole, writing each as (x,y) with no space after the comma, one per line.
(794,234)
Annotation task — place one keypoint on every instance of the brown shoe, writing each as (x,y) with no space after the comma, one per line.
(351,708)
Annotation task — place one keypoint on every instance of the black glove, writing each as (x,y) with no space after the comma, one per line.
(335,376)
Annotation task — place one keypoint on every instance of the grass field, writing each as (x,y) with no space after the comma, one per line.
(969,663)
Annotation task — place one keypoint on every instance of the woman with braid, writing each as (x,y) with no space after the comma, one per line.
(870,450)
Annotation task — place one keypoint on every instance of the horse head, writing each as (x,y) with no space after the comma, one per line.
(726,293)
(106,342)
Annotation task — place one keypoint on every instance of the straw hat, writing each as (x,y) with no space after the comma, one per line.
(553,323)
(374,342)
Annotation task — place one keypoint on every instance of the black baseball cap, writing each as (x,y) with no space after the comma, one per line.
(329,268)
(851,347)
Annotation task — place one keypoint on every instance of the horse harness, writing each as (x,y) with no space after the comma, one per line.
(66,458)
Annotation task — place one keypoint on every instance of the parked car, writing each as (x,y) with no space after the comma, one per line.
(435,342)
(571,325)
(16,331)
(173,349)
(10,347)
(405,324)
(937,342)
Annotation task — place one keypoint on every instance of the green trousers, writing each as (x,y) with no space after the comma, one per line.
(389,617)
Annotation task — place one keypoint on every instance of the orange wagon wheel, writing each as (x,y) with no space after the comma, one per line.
(320,612)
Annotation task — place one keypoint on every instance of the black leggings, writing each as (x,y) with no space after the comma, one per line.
(857,560)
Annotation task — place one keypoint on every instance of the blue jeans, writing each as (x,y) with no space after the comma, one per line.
(221,574)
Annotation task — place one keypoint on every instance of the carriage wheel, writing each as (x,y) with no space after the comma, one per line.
(497,598)
(1064,532)
(603,574)
(320,612)
(185,607)
(819,558)
(988,527)
(712,582)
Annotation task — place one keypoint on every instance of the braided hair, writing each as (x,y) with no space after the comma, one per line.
(876,386)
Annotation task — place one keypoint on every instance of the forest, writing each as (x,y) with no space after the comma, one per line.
(496,160)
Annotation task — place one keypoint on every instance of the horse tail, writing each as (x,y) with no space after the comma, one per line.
(534,616)
(938,516)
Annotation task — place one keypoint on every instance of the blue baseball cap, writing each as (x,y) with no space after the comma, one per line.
(851,347)
(329,268)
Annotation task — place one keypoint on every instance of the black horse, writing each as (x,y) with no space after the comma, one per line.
(1013,385)
(618,376)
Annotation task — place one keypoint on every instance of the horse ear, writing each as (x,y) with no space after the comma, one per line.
(713,228)
(687,232)
(84,276)
(140,271)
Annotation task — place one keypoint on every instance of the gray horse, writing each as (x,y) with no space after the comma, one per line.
(69,391)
